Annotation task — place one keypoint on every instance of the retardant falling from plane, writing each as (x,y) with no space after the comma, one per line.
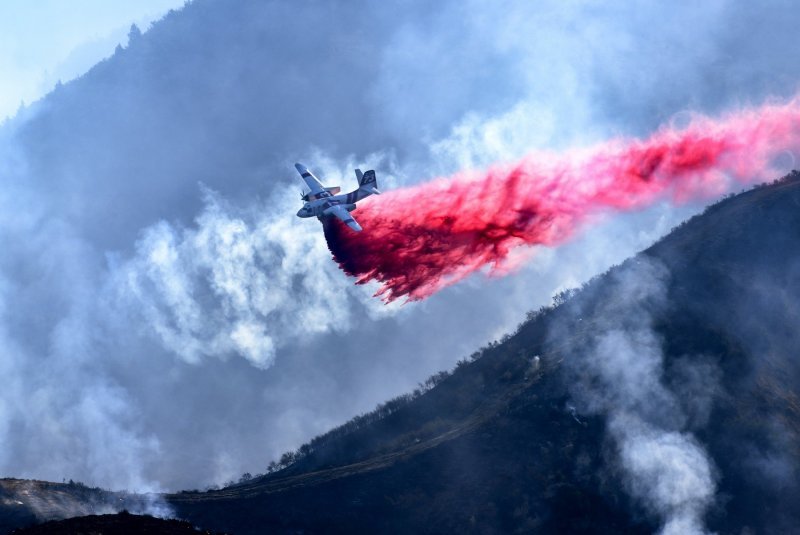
(420,239)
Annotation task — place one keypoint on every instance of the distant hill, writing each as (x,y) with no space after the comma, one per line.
(225,94)
(212,93)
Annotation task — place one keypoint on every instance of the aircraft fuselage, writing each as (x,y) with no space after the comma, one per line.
(317,207)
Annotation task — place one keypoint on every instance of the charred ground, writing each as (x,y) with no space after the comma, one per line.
(122,523)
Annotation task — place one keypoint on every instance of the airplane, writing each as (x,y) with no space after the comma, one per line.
(325,202)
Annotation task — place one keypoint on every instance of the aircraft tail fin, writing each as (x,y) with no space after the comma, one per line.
(367,185)
(367,181)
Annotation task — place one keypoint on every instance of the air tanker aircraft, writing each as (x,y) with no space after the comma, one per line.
(324,202)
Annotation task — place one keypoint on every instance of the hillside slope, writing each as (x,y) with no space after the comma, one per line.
(527,437)
(510,443)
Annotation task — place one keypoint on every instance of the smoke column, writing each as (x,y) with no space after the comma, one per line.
(419,239)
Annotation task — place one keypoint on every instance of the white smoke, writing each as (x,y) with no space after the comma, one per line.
(79,500)
(478,141)
(10,370)
(242,281)
(669,470)
(617,369)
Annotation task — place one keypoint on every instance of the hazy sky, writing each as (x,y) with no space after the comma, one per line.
(45,41)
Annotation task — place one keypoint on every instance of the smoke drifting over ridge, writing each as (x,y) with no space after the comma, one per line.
(419,239)
(616,369)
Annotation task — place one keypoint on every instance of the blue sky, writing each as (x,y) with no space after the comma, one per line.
(49,40)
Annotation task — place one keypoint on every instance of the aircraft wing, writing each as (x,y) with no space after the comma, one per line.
(341,212)
(311,181)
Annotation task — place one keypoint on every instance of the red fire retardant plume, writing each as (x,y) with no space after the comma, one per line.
(419,239)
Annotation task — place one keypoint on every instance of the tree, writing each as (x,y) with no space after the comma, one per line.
(134,35)
(287,458)
(563,296)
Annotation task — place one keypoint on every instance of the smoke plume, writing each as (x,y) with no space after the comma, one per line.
(616,369)
(420,239)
